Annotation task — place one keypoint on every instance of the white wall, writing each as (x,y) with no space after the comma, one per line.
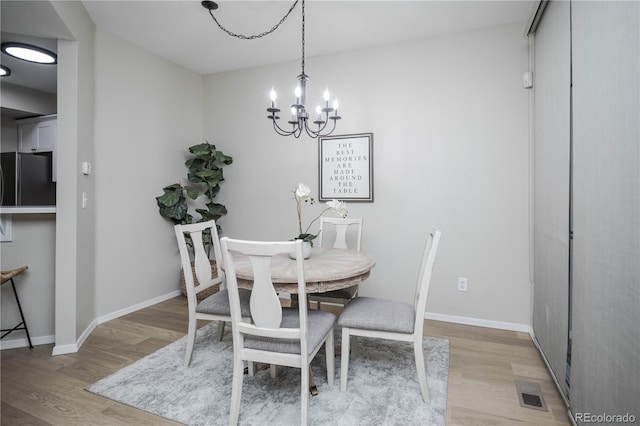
(9,134)
(148,112)
(25,99)
(33,245)
(449,118)
(75,265)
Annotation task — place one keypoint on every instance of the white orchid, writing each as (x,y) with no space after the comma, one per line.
(339,208)
(303,193)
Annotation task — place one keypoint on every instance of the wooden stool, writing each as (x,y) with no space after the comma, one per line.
(7,276)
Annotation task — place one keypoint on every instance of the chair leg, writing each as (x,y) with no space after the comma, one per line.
(344,360)
(236,389)
(304,394)
(422,372)
(191,339)
(24,322)
(274,371)
(221,325)
(331,357)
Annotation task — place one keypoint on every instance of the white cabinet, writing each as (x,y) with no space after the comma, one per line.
(37,134)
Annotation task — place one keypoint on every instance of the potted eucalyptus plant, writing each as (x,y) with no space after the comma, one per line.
(204,174)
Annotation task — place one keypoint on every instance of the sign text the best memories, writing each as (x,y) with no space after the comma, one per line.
(346,167)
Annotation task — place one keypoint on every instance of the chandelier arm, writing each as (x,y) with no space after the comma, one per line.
(279,130)
(255,36)
(296,131)
(316,133)
(311,133)
(332,128)
(329,132)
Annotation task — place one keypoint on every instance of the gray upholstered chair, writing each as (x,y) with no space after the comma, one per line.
(387,319)
(200,277)
(283,336)
(341,226)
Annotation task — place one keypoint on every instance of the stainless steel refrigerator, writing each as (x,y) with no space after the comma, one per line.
(27,179)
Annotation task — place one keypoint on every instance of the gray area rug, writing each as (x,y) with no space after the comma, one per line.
(382,387)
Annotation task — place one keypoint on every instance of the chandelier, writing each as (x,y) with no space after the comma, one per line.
(326,116)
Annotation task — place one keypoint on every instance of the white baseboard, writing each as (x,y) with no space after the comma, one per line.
(141,305)
(65,349)
(511,326)
(72,348)
(24,343)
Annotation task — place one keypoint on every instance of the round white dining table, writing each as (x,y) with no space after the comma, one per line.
(325,270)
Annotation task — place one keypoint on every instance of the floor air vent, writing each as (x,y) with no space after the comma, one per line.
(530,395)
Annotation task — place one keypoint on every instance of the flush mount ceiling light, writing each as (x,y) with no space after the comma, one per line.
(299,115)
(4,71)
(29,53)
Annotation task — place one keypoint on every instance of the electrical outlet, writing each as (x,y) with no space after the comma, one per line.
(462,284)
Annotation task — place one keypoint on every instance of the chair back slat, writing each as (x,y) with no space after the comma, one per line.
(266,310)
(201,260)
(341,227)
(424,277)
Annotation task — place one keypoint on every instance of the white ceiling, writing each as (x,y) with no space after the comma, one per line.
(183,32)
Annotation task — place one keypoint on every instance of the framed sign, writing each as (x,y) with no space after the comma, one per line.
(346,167)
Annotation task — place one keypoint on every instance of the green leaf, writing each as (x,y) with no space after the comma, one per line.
(168,199)
(194,178)
(204,173)
(200,149)
(223,158)
(192,192)
(212,191)
(177,211)
(174,187)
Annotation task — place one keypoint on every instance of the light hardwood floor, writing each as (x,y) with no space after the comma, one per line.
(38,389)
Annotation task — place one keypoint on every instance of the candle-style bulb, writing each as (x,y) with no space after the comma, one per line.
(273,95)
(335,104)
(298,91)
(293,112)
(326,94)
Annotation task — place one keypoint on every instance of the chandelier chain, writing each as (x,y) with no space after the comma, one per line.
(302,37)
(265,33)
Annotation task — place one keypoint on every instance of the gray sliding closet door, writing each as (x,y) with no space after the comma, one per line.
(551,185)
(605,373)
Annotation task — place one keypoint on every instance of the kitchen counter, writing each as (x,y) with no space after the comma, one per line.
(27,209)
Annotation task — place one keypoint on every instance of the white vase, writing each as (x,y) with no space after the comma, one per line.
(306,250)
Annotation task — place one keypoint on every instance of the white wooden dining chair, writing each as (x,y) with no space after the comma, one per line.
(200,277)
(388,319)
(283,336)
(341,227)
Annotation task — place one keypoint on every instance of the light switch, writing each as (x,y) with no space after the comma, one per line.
(527,80)
(6,228)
